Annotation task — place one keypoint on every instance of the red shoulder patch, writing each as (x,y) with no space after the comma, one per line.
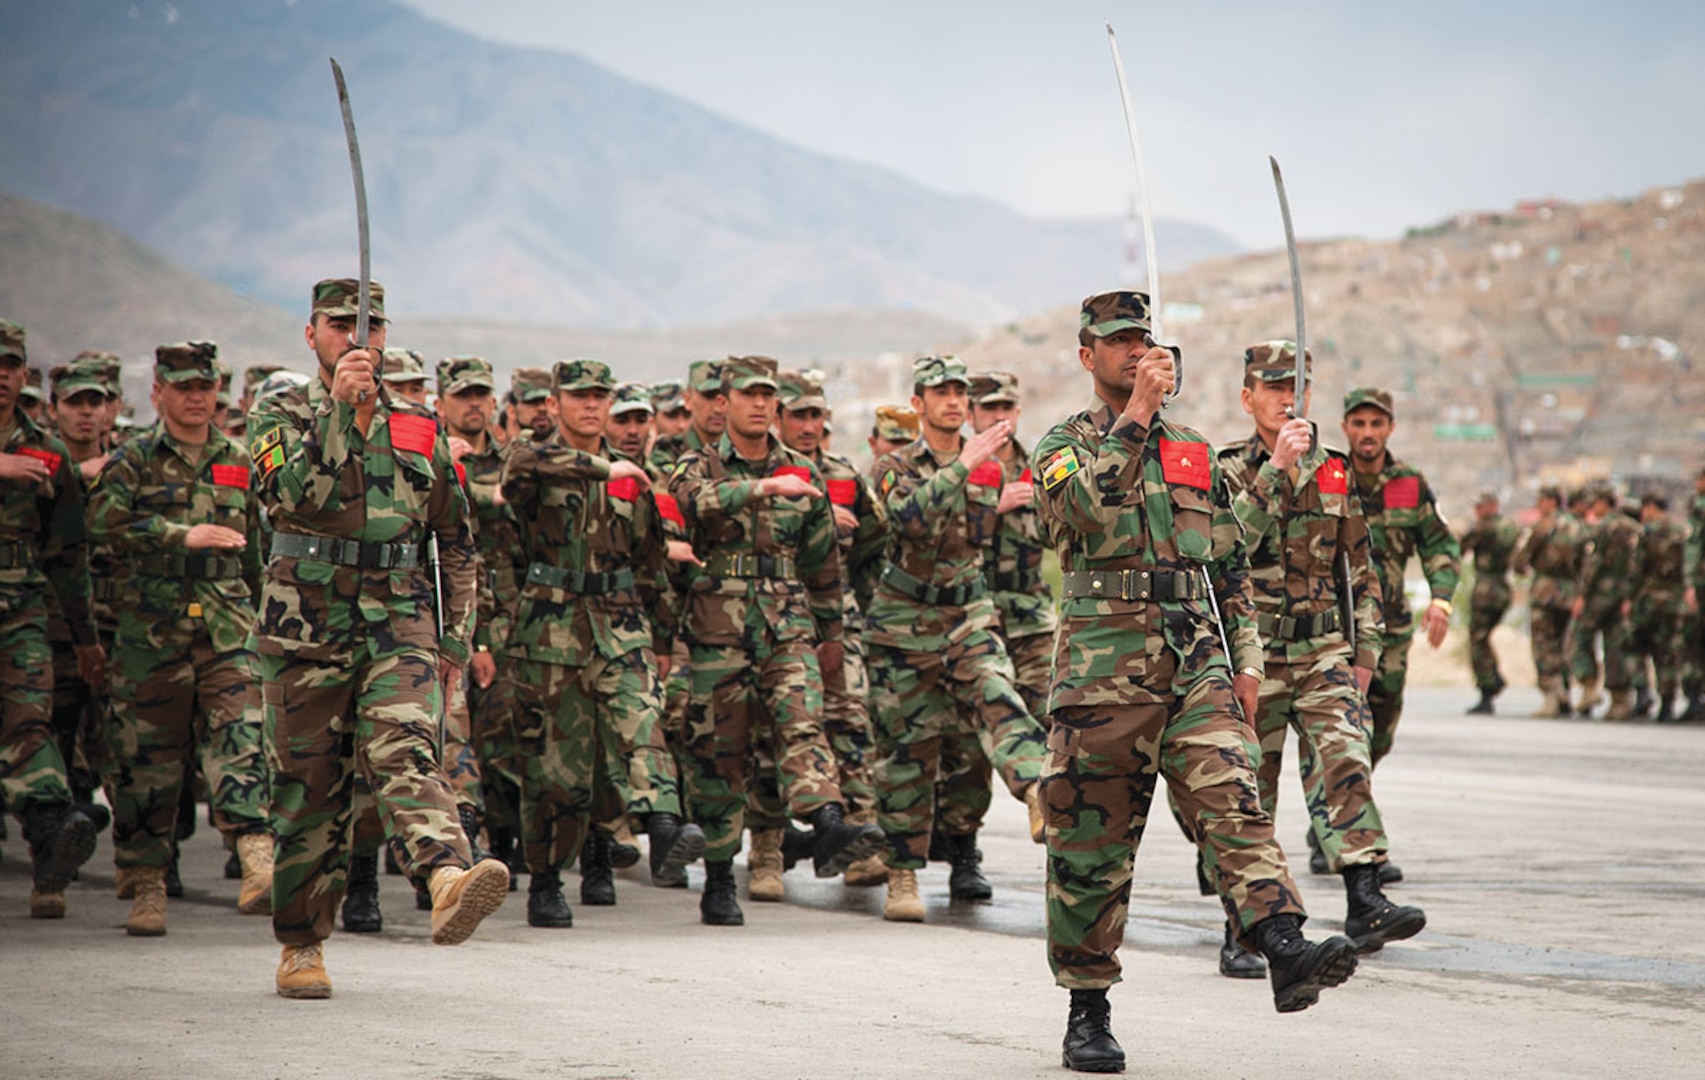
(1403,493)
(669,508)
(1333,478)
(625,489)
(236,476)
(462,475)
(1187,463)
(988,474)
(413,433)
(1025,477)
(46,457)
(843,492)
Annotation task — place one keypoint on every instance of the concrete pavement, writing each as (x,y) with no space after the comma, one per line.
(1561,864)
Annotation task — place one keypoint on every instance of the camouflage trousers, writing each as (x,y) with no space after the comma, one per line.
(1693,653)
(79,719)
(491,720)
(846,723)
(31,768)
(1655,633)
(1097,787)
(1385,692)
(750,707)
(677,688)
(461,762)
(1605,621)
(1482,620)
(171,707)
(1032,659)
(926,703)
(1318,699)
(324,721)
(1548,632)
(572,721)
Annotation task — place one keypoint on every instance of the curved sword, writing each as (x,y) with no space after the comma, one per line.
(1300,407)
(1151,269)
(364,289)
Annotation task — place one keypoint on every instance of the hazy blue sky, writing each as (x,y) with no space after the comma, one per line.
(1383,115)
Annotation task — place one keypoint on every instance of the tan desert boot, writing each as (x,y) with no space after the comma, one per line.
(1590,697)
(254,852)
(302,972)
(1038,820)
(903,903)
(867,872)
(44,905)
(1552,706)
(147,903)
(462,898)
(1621,706)
(764,861)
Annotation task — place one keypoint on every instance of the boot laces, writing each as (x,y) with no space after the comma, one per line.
(302,957)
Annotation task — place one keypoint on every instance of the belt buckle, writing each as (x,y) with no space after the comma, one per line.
(313,547)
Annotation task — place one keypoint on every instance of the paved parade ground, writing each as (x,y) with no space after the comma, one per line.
(1561,865)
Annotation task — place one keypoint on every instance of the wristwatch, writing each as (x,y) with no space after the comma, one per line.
(1443,605)
(1253,673)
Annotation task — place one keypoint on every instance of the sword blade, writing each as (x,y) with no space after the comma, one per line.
(1300,409)
(1151,268)
(364,290)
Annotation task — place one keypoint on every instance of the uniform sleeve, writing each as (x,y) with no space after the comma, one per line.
(922,508)
(114,517)
(299,472)
(1694,552)
(1082,489)
(869,541)
(700,497)
(820,565)
(1230,573)
(448,516)
(65,549)
(651,577)
(1258,503)
(1355,542)
(253,558)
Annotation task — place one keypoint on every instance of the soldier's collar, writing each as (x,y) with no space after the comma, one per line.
(725,447)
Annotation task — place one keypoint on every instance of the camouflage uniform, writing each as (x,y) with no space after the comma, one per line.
(1492,543)
(940,675)
(1141,683)
(184,680)
(1606,580)
(1403,520)
(769,591)
(582,643)
(1660,581)
(349,655)
(1552,551)
(43,548)
(1297,522)
(1693,623)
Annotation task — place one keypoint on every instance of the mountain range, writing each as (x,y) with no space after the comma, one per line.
(505,183)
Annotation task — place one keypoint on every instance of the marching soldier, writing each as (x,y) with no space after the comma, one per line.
(583,646)
(177,505)
(669,408)
(42,548)
(895,426)
(707,416)
(1659,599)
(1552,551)
(404,374)
(1294,501)
(361,491)
(942,682)
(1142,684)
(762,614)
(30,400)
(528,416)
(1693,624)
(1607,566)
(1492,542)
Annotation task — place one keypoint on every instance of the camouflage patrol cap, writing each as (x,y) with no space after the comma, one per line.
(939,371)
(705,376)
(631,397)
(1367,395)
(994,388)
(187,361)
(1485,496)
(225,374)
(1110,312)
(459,373)
(279,382)
(530,384)
(667,397)
(1552,492)
(402,365)
(255,374)
(340,297)
(1275,361)
(748,372)
(896,423)
(12,340)
(32,385)
(106,365)
(74,378)
(801,390)
(584,375)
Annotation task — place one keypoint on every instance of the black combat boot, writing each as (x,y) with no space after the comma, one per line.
(939,849)
(718,907)
(839,845)
(1483,707)
(1236,962)
(1643,702)
(1390,873)
(234,868)
(174,883)
(597,876)
(623,855)
(361,898)
(1089,1044)
(1666,710)
(507,848)
(545,904)
(1373,920)
(61,839)
(966,882)
(1299,968)
(471,826)
(796,844)
(1317,863)
(674,847)
(1695,710)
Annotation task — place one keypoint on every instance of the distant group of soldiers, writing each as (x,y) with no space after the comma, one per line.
(481,637)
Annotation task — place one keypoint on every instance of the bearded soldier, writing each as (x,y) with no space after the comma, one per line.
(1552,551)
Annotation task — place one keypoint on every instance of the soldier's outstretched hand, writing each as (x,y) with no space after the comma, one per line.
(91,663)
(787,486)
(22,467)
(203,537)
(627,470)
(982,446)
